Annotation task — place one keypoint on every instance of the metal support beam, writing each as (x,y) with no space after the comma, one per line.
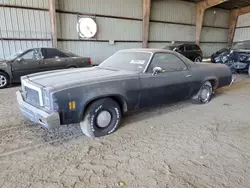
(233,21)
(200,9)
(145,22)
(52,13)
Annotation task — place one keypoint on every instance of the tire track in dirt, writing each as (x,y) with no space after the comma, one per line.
(18,138)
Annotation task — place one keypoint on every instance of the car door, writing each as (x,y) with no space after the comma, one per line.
(26,63)
(170,85)
(52,59)
(189,52)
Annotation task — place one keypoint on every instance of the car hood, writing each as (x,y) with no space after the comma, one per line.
(71,77)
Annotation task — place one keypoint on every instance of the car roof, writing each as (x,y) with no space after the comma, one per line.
(148,50)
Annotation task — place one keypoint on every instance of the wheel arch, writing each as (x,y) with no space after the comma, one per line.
(214,82)
(117,98)
(5,73)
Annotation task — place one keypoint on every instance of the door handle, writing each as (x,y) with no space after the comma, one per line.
(189,75)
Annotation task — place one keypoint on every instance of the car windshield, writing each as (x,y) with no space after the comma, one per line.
(132,61)
(13,56)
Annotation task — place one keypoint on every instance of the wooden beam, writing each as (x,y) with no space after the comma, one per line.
(145,22)
(200,9)
(233,22)
(205,4)
(244,10)
(199,20)
(52,13)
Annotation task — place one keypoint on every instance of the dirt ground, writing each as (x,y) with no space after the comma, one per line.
(181,145)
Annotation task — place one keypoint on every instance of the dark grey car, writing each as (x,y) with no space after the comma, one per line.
(97,97)
(38,60)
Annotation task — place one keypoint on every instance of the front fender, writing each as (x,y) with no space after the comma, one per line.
(6,68)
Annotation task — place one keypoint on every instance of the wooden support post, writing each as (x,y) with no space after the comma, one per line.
(199,20)
(233,22)
(52,13)
(145,22)
(200,9)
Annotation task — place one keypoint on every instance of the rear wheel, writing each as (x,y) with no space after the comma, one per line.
(4,80)
(205,93)
(101,118)
(198,59)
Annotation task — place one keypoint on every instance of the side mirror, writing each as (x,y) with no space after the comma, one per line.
(157,70)
(19,59)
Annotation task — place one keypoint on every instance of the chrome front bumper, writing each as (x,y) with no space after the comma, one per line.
(49,121)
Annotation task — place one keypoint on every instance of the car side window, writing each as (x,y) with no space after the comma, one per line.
(181,48)
(29,56)
(168,62)
(53,53)
(189,48)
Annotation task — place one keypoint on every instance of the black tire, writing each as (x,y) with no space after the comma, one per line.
(4,84)
(71,67)
(249,71)
(205,93)
(198,59)
(90,126)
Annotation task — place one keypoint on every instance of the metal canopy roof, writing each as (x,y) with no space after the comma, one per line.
(230,4)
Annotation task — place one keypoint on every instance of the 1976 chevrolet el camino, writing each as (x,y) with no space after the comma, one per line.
(97,97)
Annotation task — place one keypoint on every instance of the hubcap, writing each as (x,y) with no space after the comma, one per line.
(3,81)
(197,60)
(205,94)
(103,119)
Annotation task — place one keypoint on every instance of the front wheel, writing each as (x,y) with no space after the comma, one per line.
(205,93)
(102,117)
(4,80)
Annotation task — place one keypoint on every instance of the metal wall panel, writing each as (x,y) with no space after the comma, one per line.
(28,3)
(124,8)
(214,35)
(209,48)
(171,32)
(173,11)
(244,20)
(9,47)
(98,51)
(108,28)
(23,23)
(242,34)
(217,17)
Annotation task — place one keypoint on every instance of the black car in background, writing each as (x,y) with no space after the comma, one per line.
(216,56)
(237,57)
(38,60)
(191,51)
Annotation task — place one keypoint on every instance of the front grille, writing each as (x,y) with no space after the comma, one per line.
(32,96)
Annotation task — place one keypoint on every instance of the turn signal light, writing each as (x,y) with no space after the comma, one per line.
(72,105)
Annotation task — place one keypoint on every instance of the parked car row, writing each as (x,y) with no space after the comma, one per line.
(38,60)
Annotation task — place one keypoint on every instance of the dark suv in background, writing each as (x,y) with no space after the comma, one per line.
(191,51)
